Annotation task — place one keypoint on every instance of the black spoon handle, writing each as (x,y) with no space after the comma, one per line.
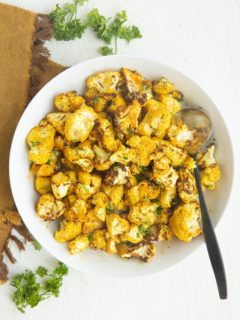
(211,240)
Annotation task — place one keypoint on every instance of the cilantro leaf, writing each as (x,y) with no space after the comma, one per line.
(37,245)
(106,51)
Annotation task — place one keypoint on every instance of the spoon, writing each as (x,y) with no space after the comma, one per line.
(199,120)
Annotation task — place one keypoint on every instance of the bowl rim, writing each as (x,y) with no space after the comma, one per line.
(191,252)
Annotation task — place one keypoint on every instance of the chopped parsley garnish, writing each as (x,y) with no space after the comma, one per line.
(145,198)
(159,210)
(90,237)
(130,131)
(37,246)
(106,51)
(34,143)
(140,177)
(34,287)
(109,208)
(175,202)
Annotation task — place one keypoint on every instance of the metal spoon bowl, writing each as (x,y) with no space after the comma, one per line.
(200,121)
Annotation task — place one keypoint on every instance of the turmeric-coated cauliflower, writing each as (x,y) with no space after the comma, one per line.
(186,186)
(68,102)
(185,221)
(210,176)
(105,82)
(207,158)
(100,201)
(116,225)
(68,230)
(143,250)
(48,208)
(143,212)
(180,135)
(79,244)
(60,185)
(58,120)
(143,146)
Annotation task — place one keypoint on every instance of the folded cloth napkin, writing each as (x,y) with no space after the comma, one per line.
(24,69)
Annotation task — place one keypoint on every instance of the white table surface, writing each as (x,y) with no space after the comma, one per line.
(202,39)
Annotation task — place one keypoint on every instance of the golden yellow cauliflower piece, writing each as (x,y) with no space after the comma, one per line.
(98,240)
(163,86)
(79,124)
(210,176)
(117,174)
(68,230)
(111,246)
(165,178)
(189,163)
(68,102)
(115,193)
(186,186)
(127,119)
(92,223)
(123,155)
(144,146)
(60,185)
(142,192)
(175,154)
(43,185)
(79,244)
(101,201)
(77,211)
(180,135)
(58,120)
(207,158)
(165,233)
(133,235)
(116,225)
(173,105)
(143,250)
(105,134)
(166,197)
(89,184)
(45,170)
(41,143)
(143,212)
(105,82)
(156,121)
(48,208)
(185,221)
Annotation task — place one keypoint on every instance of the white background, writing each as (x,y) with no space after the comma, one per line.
(202,39)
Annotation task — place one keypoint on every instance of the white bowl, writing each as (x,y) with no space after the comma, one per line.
(25,197)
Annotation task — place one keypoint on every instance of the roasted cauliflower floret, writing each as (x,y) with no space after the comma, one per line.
(43,185)
(189,163)
(133,235)
(79,124)
(175,154)
(160,232)
(89,184)
(180,135)
(185,221)
(116,225)
(143,250)
(156,121)
(92,223)
(163,86)
(96,100)
(166,178)
(98,240)
(101,201)
(172,104)
(115,193)
(41,142)
(105,134)
(143,212)
(166,197)
(123,155)
(105,82)
(111,246)
(210,176)
(142,192)
(68,230)
(68,102)
(186,186)
(60,185)
(77,211)
(117,174)
(127,119)
(144,146)
(79,244)
(48,208)
(58,120)
(207,158)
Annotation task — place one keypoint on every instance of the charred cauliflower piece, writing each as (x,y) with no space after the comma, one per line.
(105,135)
(186,186)
(144,147)
(180,135)
(210,176)
(117,174)
(68,102)
(156,121)
(79,244)
(79,124)
(143,250)
(166,178)
(92,223)
(68,230)
(98,240)
(207,158)
(41,142)
(60,185)
(175,154)
(127,119)
(105,82)
(163,86)
(143,213)
(48,208)
(116,225)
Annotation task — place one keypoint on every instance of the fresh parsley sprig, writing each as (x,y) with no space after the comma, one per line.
(30,291)
(111,30)
(66,25)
